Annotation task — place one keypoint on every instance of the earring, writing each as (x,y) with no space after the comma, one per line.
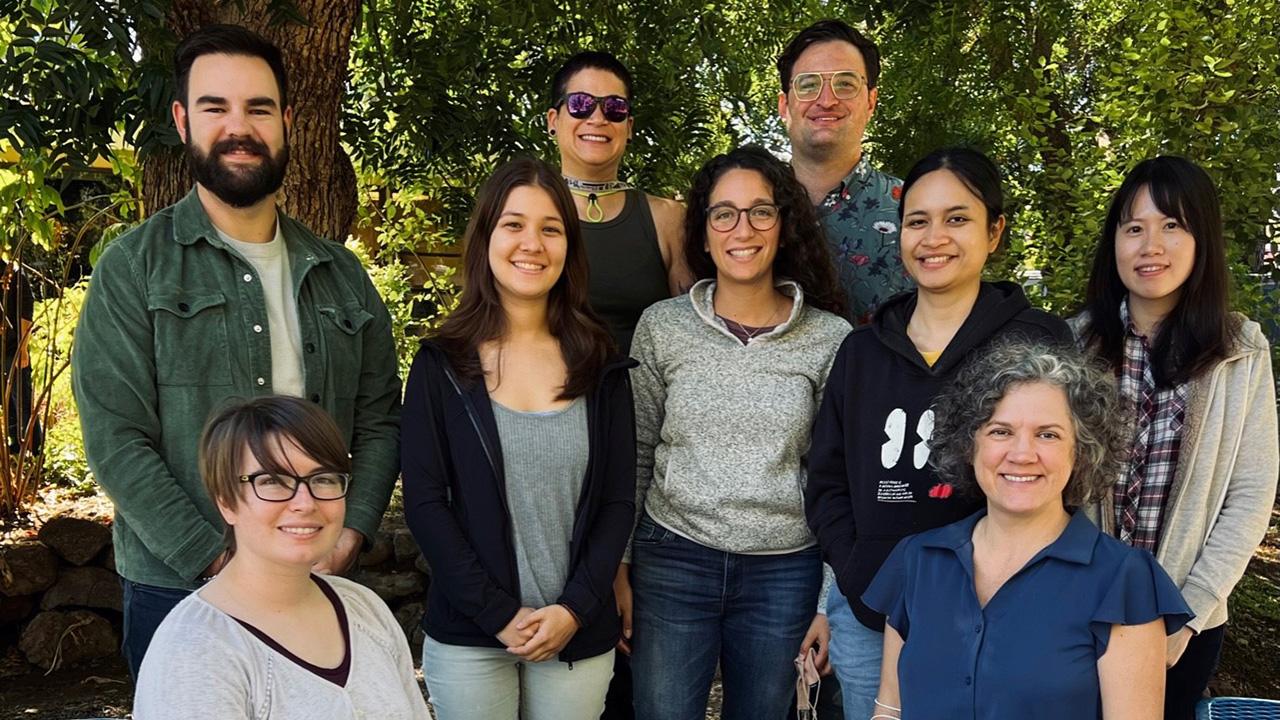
(552,131)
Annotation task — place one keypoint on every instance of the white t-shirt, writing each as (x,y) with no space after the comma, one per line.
(202,663)
(271,260)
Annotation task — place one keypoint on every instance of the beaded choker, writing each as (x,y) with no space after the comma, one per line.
(593,191)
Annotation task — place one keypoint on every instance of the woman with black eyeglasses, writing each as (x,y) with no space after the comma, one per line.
(723,569)
(266,637)
(633,239)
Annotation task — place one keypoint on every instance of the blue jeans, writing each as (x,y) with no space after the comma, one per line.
(695,607)
(145,607)
(856,651)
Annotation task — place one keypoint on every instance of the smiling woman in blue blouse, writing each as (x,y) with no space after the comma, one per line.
(1025,609)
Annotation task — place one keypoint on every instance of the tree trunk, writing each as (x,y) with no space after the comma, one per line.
(320,187)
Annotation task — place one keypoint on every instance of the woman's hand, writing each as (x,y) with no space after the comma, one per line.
(515,633)
(553,627)
(1176,645)
(622,595)
(818,638)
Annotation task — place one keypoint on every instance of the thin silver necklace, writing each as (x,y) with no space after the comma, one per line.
(751,335)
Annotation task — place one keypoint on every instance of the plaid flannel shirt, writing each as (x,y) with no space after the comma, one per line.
(1142,491)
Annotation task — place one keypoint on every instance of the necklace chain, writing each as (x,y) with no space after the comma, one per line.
(752,334)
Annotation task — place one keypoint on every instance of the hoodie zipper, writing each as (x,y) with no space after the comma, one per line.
(498,474)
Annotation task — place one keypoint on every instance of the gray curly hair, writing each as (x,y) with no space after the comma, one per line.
(962,410)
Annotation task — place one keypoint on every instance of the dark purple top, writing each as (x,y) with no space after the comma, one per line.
(744,332)
(337,675)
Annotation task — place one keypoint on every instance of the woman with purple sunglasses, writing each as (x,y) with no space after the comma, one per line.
(633,239)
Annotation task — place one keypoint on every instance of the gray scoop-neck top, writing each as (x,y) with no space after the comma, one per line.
(544,458)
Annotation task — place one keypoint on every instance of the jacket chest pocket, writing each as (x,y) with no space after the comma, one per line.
(190,338)
(342,328)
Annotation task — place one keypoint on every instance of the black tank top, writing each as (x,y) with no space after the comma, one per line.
(627,273)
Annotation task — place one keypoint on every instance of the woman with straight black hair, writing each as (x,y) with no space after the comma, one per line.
(1200,477)
(518,459)
(870,483)
(722,570)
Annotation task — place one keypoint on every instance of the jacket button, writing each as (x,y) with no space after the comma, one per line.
(315,398)
(262,381)
(311,347)
(184,307)
(257,328)
(346,324)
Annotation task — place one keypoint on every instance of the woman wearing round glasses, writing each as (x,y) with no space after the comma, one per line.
(266,637)
(723,569)
(633,240)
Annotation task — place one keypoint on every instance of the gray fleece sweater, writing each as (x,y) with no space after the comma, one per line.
(722,428)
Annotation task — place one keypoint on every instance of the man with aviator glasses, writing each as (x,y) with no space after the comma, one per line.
(829,74)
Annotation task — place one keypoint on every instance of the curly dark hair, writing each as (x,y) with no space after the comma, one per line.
(967,405)
(802,250)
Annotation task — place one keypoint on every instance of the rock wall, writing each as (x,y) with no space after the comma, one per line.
(61,600)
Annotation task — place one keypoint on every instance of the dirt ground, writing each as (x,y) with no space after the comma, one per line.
(1250,663)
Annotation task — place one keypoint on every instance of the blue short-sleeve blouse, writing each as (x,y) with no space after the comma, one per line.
(1033,650)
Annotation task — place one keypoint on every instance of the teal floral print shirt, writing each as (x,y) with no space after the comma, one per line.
(860,217)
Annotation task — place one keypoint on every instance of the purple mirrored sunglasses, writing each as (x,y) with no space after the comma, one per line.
(580,105)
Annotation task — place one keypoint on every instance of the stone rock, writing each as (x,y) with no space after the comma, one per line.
(392,586)
(13,663)
(381,551)
(56,639)
(108,558)
(27,568)
(14,610)
(406,548)
(85,587)
(77,540)
(409,616)
(421,565)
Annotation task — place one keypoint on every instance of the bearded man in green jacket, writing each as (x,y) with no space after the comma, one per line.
(223,296)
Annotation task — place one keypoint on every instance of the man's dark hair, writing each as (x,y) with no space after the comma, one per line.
(588,60)
(826,31)
(226,40)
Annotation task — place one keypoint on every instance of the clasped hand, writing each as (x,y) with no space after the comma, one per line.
(537,635)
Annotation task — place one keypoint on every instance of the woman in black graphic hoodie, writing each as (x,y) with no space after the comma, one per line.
(870,484)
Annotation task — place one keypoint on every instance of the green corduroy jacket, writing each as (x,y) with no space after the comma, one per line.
(167,335)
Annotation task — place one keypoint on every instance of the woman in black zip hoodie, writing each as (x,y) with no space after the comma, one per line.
(870,483)
(518,459)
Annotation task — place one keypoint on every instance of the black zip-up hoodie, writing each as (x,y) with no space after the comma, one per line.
(455,503)
(870,484)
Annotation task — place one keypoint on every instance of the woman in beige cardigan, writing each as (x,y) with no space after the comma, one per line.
(1201,477)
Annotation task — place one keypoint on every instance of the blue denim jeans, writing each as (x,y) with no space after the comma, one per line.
(145,607)
(856,651)
(695,607)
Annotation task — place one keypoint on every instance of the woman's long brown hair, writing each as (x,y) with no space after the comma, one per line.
(585,344)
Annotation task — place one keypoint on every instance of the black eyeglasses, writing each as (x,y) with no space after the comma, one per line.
(281,487)
(724,218)
(580,105)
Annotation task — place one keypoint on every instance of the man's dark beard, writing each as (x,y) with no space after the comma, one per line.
(241,187)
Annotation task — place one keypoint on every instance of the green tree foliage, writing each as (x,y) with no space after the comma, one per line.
(441,90)
(1067,95)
